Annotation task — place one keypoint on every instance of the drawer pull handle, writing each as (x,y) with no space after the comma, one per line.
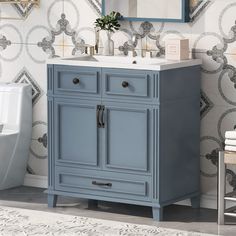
(125,84)
(76,81)
(102,117)
(98,116)
(102,184)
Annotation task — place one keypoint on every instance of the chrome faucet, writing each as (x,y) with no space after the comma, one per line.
(96,40)
(90,49)
(134,44)
(143,49)
(134,41)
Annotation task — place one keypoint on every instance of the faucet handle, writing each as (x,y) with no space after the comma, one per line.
(132,53)
(86,50)
(96,48)
(89,48)
(92,50)
(143,52)
(150,54)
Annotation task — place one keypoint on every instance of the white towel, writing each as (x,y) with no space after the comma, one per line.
(230,142)
(230,148)
(230,134)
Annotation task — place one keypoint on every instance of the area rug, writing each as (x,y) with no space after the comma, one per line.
(21,222)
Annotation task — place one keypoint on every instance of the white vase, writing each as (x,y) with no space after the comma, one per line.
(108,49)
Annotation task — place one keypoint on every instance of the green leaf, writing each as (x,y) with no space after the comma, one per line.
(108,22)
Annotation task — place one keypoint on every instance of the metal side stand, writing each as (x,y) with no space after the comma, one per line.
(224,159)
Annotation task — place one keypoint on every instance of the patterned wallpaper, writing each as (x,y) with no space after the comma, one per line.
(62,27)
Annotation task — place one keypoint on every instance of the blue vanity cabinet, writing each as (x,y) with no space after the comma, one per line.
(71,81)
(121,135)
(128,137)
(76,129)
(128,85)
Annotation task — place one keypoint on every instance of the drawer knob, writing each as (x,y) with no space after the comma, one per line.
(76,81)
(125,84)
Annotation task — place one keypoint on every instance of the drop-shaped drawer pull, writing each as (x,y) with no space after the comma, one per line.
(125,84)
(76,81)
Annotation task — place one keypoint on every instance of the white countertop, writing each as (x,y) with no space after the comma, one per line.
(124,62)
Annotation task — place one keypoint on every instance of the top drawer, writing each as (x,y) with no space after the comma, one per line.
(128,84)
(77,80)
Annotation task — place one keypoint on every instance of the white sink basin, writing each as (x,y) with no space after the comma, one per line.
(118,59)
(124,62)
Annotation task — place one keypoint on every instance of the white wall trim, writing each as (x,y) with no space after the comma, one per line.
(36,181)
(207,201)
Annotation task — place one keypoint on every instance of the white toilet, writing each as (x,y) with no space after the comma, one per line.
(15,137)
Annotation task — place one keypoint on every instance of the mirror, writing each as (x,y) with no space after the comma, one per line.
(153,10)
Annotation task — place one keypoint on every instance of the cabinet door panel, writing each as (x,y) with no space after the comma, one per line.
(127,138)
(76,133)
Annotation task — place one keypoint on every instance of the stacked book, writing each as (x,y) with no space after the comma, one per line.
(230,141)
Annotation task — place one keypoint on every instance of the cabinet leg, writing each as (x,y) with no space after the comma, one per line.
(195,202)
(52,200)
(92,203)
(157,213)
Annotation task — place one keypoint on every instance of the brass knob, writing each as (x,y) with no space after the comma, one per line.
(76,81)
(125,84)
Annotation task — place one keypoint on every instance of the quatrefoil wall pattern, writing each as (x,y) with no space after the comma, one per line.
(63,26)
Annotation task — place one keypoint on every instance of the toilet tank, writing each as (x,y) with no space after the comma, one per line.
(13,99)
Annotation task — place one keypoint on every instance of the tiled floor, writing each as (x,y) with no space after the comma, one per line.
(176,217)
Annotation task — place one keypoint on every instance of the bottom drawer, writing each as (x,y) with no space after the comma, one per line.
(102,183)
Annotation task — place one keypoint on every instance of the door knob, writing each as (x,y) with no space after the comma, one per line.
(125,84)
(76,81)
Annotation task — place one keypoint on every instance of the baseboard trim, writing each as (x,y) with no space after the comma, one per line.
(207,201)
(36,181)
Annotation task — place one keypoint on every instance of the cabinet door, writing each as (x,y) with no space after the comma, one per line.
(76,132)
(128,137)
